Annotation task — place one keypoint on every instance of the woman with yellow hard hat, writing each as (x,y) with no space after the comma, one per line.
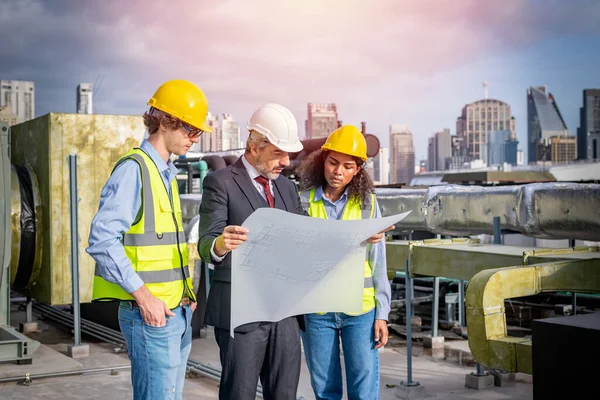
(335,185)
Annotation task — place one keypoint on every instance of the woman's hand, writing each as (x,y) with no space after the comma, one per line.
(376,238)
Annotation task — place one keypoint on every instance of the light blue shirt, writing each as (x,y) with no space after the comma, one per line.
(120,203)
(381,283)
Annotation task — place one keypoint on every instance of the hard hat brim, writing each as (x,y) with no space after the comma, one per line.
(205,128)
(291,147)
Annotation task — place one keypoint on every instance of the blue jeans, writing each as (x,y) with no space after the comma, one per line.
(158,354)
(361,360)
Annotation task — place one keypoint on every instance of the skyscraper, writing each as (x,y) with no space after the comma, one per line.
(6,115)
(478,119)
(402,157)
(19,97)
(230,131)
(322,120)
(460,156)
(588,133)
(563,149)
(84,98)
(544,121)
(502,149)
(381,167)
(439,148)
(210,141)
(225,134)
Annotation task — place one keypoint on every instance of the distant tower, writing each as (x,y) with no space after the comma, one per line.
(84,98)
(485,92)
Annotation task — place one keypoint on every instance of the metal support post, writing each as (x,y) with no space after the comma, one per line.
(497,231)
(573,294)
(480,370)
(74,246)
(461,302)
(436,308)
(29,310)
(407,285)
(190,177)
(77,349)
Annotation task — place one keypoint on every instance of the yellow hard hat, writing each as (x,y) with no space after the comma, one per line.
(183,100)
(347,140)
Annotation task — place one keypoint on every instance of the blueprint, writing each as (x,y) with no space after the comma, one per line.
(294,264)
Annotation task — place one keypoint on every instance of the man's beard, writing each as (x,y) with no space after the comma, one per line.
(263,170)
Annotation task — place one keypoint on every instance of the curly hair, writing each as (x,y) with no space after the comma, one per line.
(154,118)
(311,173)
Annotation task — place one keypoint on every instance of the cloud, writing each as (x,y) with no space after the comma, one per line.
(245,53)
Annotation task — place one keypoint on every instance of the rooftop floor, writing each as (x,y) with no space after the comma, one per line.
(442,378)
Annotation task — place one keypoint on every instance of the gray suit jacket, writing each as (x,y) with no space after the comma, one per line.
(228,198)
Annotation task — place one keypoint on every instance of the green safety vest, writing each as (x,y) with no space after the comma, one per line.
(155,244)
(352,210)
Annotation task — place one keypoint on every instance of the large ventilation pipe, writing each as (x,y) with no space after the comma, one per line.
(26,229)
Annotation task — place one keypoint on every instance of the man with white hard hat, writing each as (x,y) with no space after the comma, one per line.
(266,350)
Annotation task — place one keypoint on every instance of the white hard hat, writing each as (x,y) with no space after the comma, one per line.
(278,124)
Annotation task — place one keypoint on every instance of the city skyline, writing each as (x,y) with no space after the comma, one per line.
(421,72)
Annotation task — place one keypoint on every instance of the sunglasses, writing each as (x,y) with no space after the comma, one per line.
(192,132)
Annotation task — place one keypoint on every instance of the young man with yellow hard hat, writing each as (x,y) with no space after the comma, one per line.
(138,243)
(335,185)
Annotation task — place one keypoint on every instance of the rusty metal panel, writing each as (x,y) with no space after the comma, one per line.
(44,143)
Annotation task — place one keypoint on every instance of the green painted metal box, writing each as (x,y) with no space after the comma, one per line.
(44,144)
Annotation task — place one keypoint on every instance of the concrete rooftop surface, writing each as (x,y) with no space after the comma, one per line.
(439,378)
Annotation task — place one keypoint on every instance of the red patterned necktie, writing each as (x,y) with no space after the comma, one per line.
(265,184)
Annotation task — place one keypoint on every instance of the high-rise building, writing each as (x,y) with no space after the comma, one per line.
(210,141)
(593,148)
(460,156)
(588,133)
(478,119)
(225,135)
(439,149)
(230,131)
(381,167)
(402,157)
(563,149)
(6,115)
(84,98)
(520,157)
(544,121)
(501,148)
(322,120)
(19,97)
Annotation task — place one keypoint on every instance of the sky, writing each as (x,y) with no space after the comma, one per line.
(415,62)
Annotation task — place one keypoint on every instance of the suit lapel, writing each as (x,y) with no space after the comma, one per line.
(241,177)
(286,202)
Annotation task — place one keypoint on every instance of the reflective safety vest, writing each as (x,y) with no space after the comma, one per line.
(352,210)
(156,244)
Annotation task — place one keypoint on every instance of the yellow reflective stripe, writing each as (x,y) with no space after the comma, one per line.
(147,198)
(153,239)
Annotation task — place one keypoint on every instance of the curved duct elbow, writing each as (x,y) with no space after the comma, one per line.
(26,229)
